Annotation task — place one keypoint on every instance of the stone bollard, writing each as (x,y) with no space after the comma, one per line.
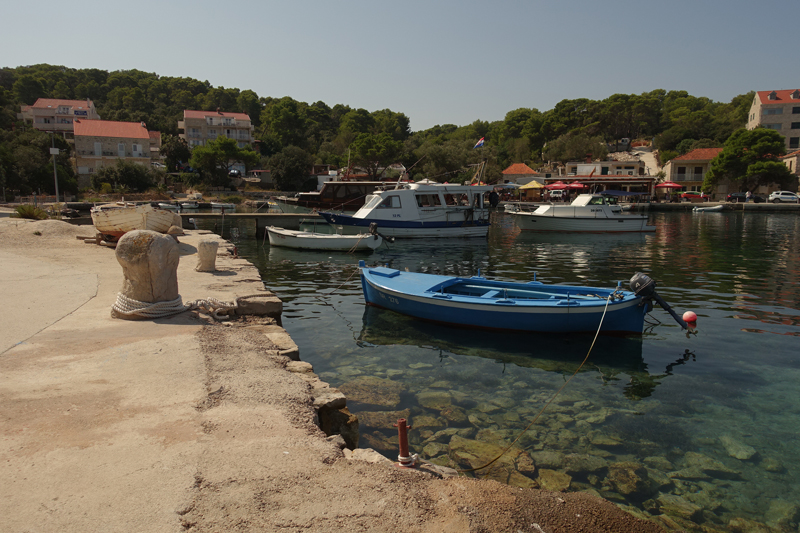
(207,256)
(149,263)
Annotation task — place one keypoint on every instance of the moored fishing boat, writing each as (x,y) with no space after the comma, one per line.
(477,302)
(422,209)
(588,213)
(306,240)
(114,220)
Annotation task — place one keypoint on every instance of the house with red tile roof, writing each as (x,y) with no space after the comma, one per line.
(690,168)
(792,161)
(780,111)
(57,115)
(100,143)
(199,127)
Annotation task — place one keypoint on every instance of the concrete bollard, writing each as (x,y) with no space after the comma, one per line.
(207,256)
(149,263)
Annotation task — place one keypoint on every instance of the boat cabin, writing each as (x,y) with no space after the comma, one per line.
(415,200)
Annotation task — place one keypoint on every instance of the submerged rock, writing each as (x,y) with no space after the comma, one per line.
(743,525)
(435,400)
(737,449)
(710,466)
(383,419)
(770,464)
(553,480)
(630,479)
(673,505)
(373,391)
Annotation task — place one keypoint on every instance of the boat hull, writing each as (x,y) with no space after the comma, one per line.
(304,240)
(409,229)
(114,220)
(515,307)
(618,224)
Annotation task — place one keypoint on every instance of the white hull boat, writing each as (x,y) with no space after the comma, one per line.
(709,208)
(420,210)
(223,205)
(588,213)
(306,240)
(165,205)
(115,220)
(190,205)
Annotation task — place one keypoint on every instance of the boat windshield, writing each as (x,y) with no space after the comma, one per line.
(392,201)
(372,201)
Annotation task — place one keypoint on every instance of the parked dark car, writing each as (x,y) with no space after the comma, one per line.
(736,197)
(742,197)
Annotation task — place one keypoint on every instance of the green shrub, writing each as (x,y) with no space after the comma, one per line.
(105,188)
(29,211)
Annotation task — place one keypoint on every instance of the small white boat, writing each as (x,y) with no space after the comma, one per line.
(306,240)
(190,205)
(709,208)
(165,205)
(588,213)
(223,205)
(115,220)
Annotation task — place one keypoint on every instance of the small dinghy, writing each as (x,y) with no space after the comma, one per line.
(306,240)
(709,208)
(477,302)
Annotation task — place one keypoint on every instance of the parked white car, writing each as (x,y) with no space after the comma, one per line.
(784,196)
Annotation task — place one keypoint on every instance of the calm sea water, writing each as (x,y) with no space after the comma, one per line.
(706,425)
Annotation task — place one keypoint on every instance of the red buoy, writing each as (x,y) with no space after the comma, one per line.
(689,317)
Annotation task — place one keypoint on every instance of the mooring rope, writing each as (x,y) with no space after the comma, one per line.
(521,433)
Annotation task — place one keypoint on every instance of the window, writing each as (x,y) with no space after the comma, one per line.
(794,142)
(698,173)
(390,202)
(136,148)
(428,200)
(772,126)
(796,111)
(796,125)
(773,111)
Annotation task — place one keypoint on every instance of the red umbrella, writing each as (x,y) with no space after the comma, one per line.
(576,185)
(556,185)
(669,185)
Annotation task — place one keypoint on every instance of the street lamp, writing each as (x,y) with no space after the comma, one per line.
(54,152)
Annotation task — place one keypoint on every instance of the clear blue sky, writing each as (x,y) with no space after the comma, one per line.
(439,62)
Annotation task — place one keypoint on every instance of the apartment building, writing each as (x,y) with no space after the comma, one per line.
(780,111)
(50,114)
(690,168)
(200,127)
(100,143)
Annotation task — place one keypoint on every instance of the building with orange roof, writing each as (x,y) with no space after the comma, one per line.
(100,143)
(199,127)
(58,115)
(792,161)
(780,111)
(690,168)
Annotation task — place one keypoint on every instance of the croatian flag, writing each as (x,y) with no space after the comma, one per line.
(478,144)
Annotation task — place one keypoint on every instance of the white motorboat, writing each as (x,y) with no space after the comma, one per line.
(588,213)
(114,220)
(166,205)
(223,205)
(192,204)
(422,209)
(306,240)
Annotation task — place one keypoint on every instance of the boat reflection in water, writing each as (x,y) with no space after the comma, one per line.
(614,358)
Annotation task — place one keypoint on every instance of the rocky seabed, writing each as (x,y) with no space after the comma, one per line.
(637,454)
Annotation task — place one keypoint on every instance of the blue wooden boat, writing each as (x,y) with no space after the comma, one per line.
(503,305)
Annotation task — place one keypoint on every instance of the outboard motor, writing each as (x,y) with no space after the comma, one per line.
(373,230)
(643,286)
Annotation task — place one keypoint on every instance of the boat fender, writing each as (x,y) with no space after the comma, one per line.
(644,287)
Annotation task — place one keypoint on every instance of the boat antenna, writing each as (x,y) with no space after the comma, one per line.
(397,185)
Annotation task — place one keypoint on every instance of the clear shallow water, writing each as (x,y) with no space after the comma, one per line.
(670,412)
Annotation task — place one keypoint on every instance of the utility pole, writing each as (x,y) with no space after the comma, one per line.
(54,151)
